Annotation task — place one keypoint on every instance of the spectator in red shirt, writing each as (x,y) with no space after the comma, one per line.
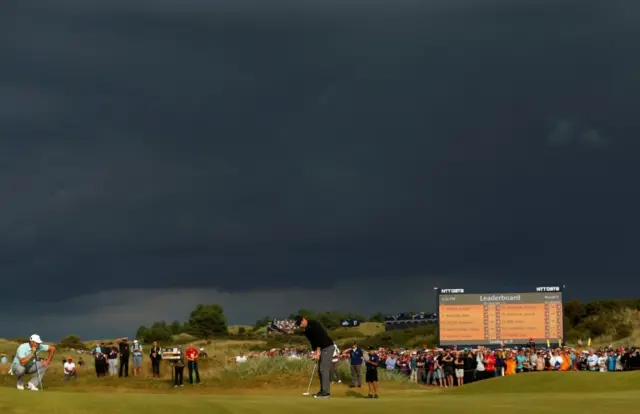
(489,364)
(192,363)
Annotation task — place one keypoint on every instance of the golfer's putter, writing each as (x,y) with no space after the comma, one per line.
(38,374)
(311,379)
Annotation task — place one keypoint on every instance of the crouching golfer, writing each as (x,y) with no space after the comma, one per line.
(324,348)
(26,362)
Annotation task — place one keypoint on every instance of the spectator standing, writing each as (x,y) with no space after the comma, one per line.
(125,353)
(178,366)
(421,369)
(413,362)
(520,361)
(489,365)
(355,359)
(192,363)
(499,368)
(438,371)
(391,363)
(540,361)
(459,366)
(137,358)
(100,360)
(480,374)
(112,360)
(430,368)
(448,367)
(155,356)
(470,365)
(371,375)
(70,370)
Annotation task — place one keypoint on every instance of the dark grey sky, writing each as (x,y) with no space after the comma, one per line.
(337,155)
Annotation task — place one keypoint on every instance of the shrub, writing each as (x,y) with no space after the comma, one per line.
(623,330)
(573,335)
(255,367)
(72,342)
(263,366)
(598,328)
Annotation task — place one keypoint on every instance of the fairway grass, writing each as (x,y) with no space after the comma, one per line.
(580,392)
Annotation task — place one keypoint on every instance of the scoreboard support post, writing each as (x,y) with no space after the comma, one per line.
(436,291)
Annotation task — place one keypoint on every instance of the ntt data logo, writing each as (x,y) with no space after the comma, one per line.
(548,289)
(452,291)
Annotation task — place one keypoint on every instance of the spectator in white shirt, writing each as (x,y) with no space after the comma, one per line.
(241,358)
(602,362)
(592,361)
(70,370)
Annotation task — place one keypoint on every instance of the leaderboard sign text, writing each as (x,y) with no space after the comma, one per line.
(493,318)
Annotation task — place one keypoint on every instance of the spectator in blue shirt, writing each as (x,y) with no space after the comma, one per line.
(520,360)
(391,362)
(355,358)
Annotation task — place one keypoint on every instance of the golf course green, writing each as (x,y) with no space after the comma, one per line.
(573,392)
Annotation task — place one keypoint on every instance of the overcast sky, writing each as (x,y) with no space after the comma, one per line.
(270,155)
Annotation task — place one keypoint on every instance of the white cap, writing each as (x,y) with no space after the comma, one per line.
(35,338)
(135,341)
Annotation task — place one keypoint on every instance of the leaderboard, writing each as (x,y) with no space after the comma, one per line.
(494,318)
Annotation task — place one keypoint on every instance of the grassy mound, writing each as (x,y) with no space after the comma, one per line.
(555,382)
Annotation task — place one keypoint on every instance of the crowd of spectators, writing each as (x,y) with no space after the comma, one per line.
(455,367)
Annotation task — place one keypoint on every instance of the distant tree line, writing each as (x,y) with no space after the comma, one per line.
(614,318)
(603,317)
(205,322)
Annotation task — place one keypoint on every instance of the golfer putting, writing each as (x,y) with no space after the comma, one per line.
(323,347)
(26,362)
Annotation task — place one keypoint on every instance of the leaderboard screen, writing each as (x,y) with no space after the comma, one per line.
(492,318)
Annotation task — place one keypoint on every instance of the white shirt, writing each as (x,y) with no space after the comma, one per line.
(69,367)
(556,360)
(602,363)
(241,359)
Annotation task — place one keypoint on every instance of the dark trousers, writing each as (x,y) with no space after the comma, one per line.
(124,367)
(422,375)
(356,375)
(324,369)
(193,367)
(101,367)
(179,376)
(155,368)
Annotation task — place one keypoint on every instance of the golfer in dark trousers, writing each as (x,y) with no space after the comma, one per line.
(324,348)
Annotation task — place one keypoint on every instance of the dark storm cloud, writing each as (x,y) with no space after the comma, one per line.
(243,147)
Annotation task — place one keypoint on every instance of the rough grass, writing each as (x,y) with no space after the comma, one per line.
(217,374)
(581,392)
